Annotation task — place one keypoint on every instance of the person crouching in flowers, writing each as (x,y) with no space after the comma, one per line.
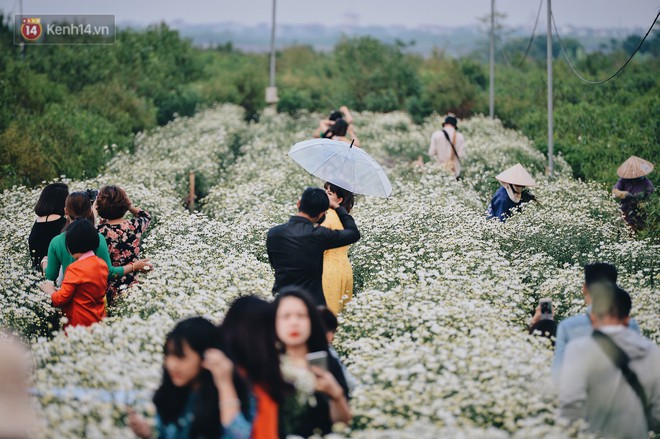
(201,395)
(510,196)
(82,294)
(633,186)
(337,271)
(122,235)
(300,332)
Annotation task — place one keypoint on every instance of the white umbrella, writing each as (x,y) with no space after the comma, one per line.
(342,164)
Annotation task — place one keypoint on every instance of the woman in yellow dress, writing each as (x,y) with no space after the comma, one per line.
(337,270)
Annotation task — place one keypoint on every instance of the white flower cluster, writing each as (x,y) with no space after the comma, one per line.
(436,332)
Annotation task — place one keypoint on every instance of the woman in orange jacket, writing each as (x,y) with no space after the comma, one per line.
(82,294)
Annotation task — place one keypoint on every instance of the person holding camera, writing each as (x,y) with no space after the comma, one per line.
(122,235)
(338,126)
(543,322)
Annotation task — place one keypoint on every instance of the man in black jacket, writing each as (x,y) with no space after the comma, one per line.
(295,248)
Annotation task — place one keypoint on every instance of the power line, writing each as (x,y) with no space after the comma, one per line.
(561,45)
(529,44)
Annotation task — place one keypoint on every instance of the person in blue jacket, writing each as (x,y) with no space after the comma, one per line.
(514,180)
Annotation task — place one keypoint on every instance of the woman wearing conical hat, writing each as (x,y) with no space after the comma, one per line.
(510,196)
(632,187)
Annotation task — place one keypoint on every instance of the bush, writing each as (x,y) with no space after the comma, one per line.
(292,100)
(74,140)
(119,105)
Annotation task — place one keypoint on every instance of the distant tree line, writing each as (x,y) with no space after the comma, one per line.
(61,105)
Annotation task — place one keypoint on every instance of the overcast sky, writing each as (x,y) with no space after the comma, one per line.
(591,13)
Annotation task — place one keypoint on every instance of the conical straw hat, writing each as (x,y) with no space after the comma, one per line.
(516,175)
(634,167)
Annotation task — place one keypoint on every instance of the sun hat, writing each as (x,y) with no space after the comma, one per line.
(634,167)
(516,175)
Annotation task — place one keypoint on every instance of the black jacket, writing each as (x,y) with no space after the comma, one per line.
(295,250)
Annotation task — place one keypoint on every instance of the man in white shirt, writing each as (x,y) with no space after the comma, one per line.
(448,146)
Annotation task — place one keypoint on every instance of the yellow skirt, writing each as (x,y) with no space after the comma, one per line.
(337,279)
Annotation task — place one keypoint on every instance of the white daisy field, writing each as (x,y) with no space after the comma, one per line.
(436,333)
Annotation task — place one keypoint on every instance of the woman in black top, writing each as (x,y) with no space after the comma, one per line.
(300,331)
(50,221)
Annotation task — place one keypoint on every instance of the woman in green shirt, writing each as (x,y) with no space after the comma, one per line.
(78,205)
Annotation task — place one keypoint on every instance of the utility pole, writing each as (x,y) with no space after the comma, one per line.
(271,91)
(22,44)
(491,100)
(549,63)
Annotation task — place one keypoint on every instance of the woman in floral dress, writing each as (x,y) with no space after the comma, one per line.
(122,235)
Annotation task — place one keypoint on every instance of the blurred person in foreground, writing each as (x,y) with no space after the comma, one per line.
(611,379)
(448,146)
(16,414)
(511,195)
(633,186)
(580,325)
(201,395)
(300,332)
(295,248)
(248,333)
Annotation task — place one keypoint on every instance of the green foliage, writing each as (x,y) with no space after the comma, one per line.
(63,140)
(23,91)
(233,77)
(374,76)
(293,100)
(651,207)
(448,85)
(122,107)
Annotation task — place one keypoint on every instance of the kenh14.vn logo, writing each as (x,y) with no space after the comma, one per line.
(31,28)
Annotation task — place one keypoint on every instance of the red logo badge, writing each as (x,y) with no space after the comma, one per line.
(31,29)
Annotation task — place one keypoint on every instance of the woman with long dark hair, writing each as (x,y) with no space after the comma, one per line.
(337,270)
(201,395)
(78,205)
(300,332)
(49,222)
(250,340)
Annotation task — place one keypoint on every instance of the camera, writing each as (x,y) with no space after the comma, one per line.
(92,194)
(546,308)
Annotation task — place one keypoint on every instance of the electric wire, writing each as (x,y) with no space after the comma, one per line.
(568,61)
(529,44)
